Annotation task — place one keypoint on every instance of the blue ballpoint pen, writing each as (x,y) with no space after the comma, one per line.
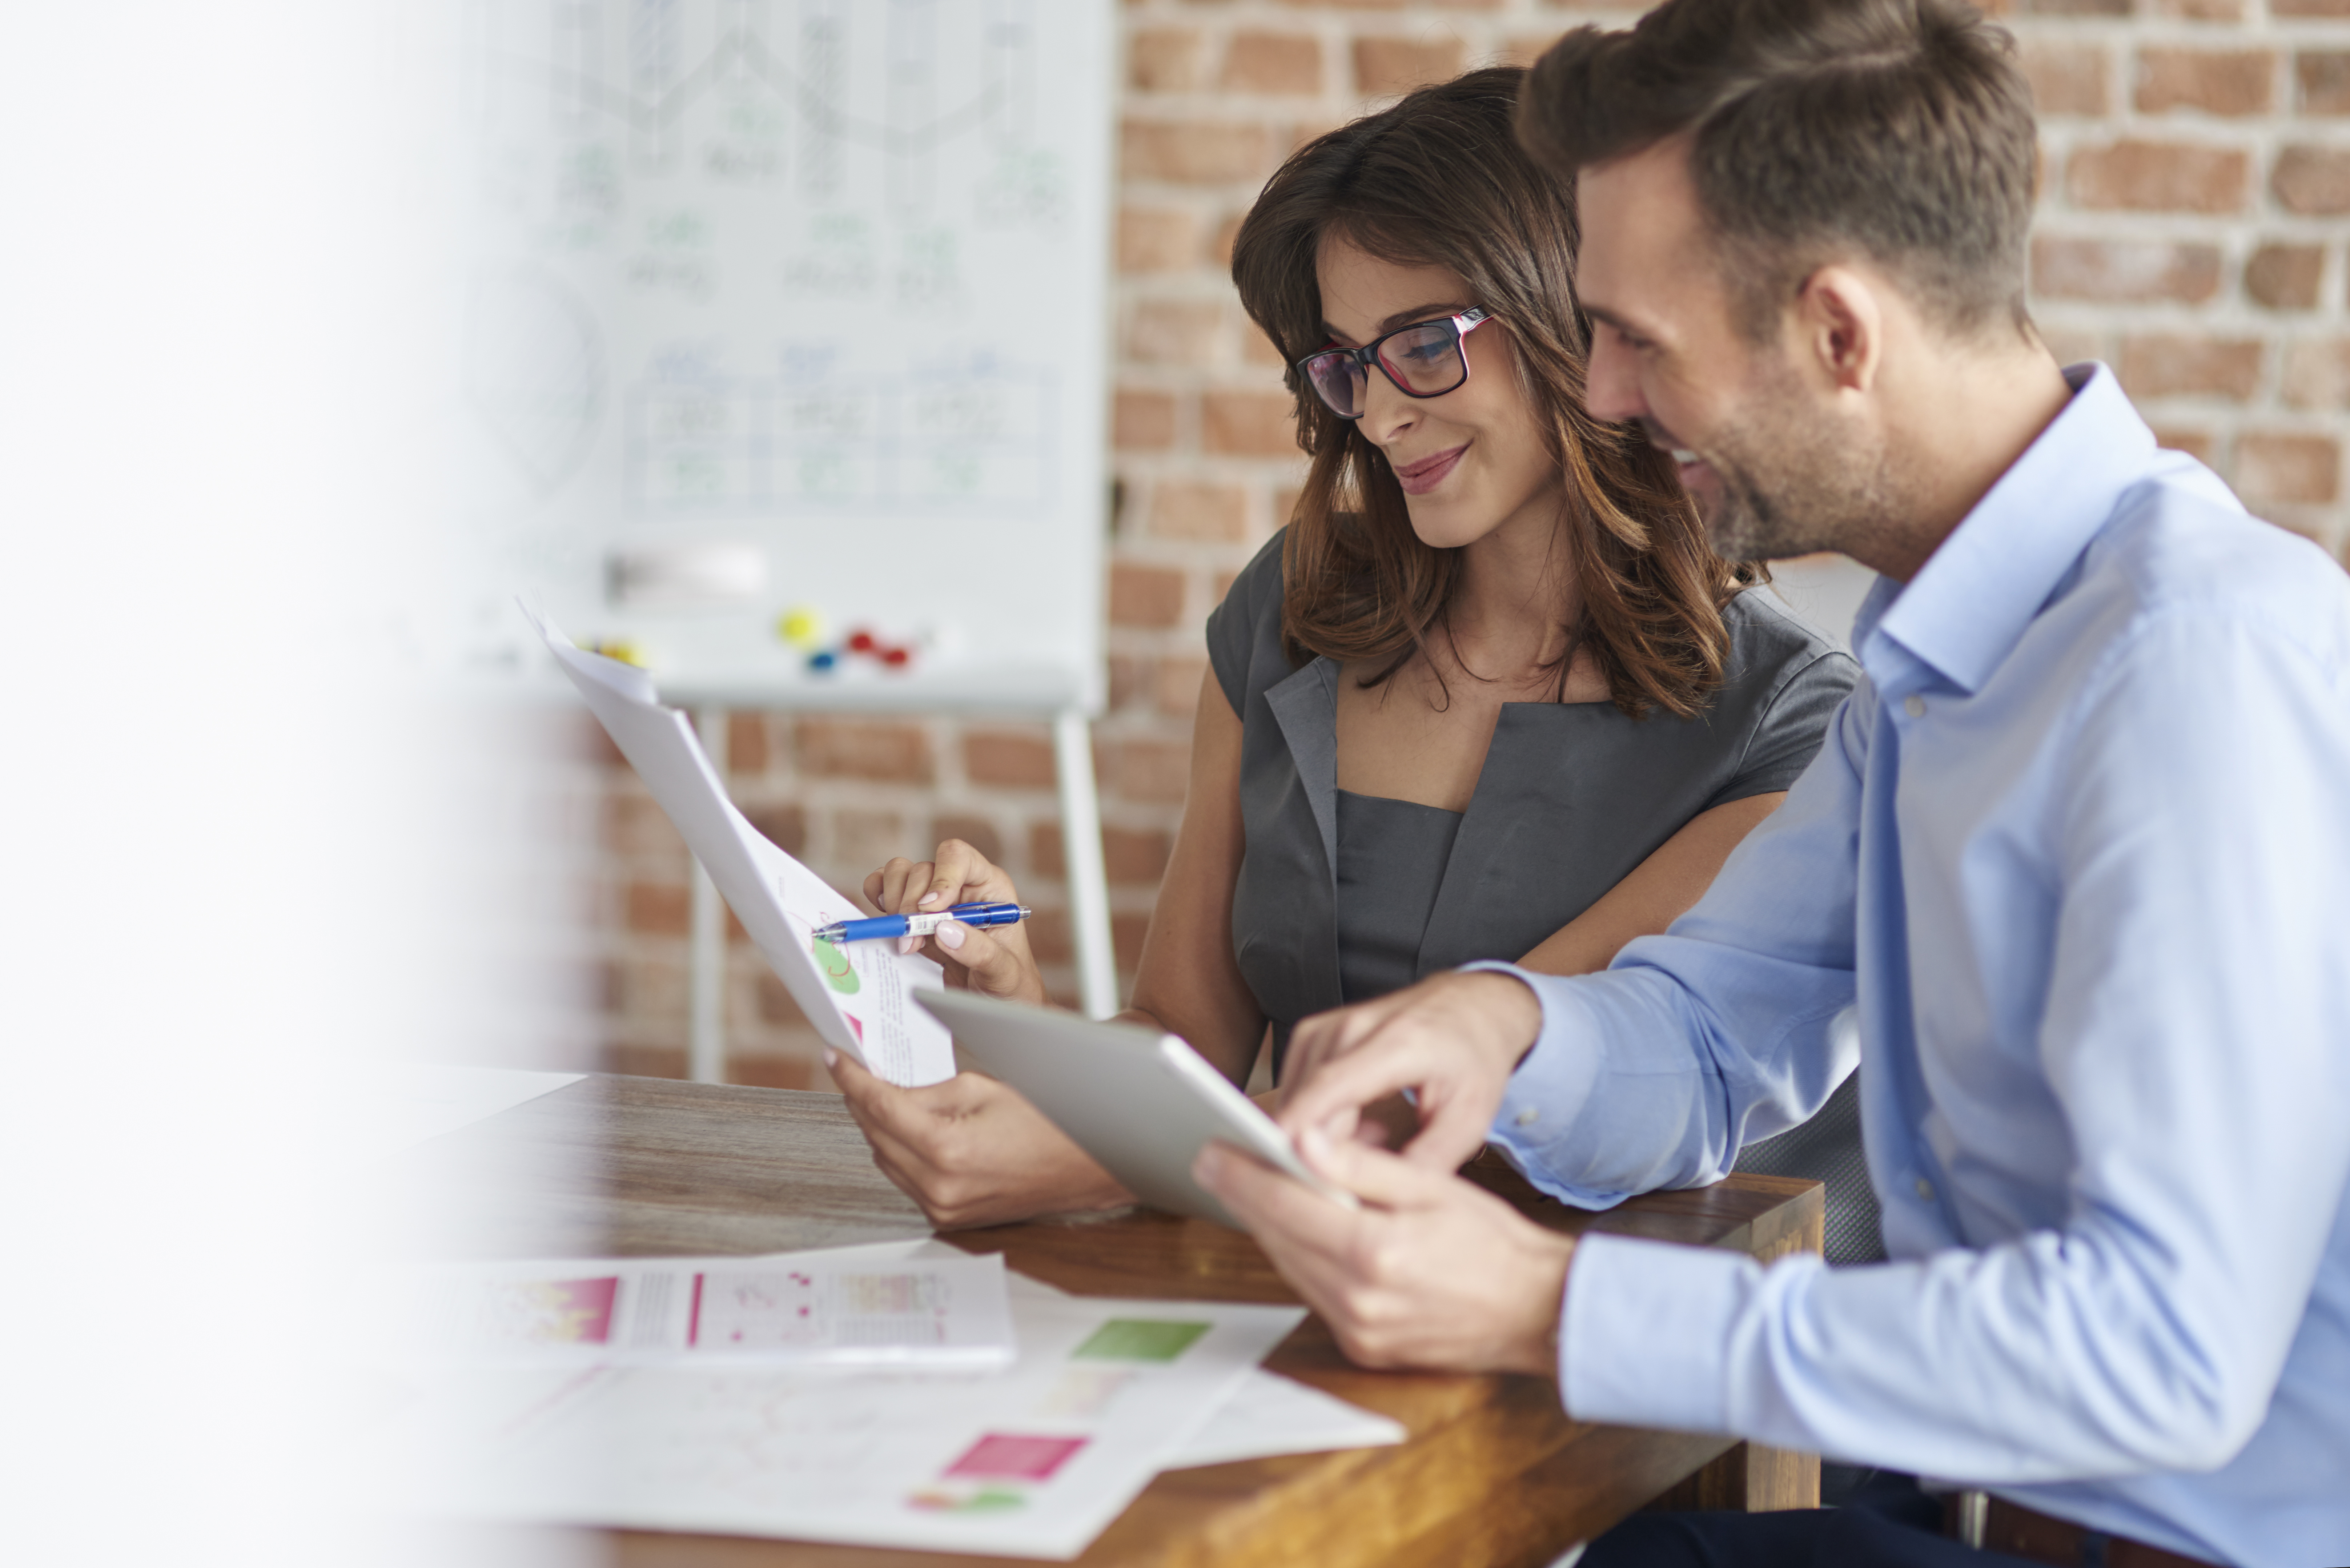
(883,926)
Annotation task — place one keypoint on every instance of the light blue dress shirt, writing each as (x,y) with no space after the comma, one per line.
(2079,849)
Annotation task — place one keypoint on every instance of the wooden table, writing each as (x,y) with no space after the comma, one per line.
(1492,1473)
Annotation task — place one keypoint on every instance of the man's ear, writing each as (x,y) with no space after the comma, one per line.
(1838,327)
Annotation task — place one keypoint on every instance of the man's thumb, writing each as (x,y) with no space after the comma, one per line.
(1371,1173)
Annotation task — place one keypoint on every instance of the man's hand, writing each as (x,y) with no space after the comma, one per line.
(1430,1273)
(970,1152)
(1452,1039)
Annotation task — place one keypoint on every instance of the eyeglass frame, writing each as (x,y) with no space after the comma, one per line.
(1365,357)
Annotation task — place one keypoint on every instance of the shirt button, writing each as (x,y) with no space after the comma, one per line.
(1527,1117)
(1914,705)
(1925,1189)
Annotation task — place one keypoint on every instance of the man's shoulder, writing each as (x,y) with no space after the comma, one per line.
(2180,547)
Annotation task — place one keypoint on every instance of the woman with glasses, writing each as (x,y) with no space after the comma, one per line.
(1490,695)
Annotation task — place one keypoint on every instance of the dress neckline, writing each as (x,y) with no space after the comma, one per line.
(1394,800)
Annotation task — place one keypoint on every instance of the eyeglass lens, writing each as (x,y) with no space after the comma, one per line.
(1339,377)
(1424,360)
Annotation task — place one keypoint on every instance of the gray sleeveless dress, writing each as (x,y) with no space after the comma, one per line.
(1342,897)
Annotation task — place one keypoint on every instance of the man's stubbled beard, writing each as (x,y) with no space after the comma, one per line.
(1791,485)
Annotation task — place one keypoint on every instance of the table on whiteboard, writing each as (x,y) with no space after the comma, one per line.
(784,361)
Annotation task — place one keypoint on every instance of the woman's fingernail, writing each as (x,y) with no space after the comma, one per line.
(950,935)
(1314,1143)
(927,900)
(831,1058)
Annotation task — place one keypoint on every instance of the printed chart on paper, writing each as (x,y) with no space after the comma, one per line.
(792,305)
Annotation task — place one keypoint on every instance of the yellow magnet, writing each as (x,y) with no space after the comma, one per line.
(625,650)
(800,627)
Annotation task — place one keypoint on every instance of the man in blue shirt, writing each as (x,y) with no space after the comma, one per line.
(2078,850)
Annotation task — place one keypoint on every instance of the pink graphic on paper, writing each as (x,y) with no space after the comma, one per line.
(1004,1457)
(555,1312)
(755,1308)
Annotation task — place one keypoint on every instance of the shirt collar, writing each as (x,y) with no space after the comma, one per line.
(1968,607)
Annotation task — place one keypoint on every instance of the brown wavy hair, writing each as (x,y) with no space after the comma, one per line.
(1439,180)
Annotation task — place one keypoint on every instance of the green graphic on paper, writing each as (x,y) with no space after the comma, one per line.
(836,966)
(1139,1339)
(986,1499)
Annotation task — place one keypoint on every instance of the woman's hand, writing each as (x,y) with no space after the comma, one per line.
(970,1152)
(995,961)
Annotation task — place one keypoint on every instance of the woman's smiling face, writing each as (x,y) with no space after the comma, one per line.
(1470,461)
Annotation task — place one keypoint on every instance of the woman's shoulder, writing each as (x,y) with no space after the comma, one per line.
(1784,686)
(1257,588)
(1244,631)
(1771,646)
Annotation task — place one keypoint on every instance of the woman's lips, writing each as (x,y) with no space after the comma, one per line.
(1420,478)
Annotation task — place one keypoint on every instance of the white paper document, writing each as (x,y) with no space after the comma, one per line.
(1267,1416)
(1032,1461)
(857,994)
(944,1311)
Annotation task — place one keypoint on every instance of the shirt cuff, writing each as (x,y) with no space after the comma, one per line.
(1645,1332)
(1559,1071)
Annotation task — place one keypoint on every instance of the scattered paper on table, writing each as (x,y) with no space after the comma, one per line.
(785,1309)
(858,995)
(1034,1460)
(1269,1415)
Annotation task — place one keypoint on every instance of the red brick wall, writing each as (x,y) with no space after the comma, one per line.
(2192,220)
(2192,233)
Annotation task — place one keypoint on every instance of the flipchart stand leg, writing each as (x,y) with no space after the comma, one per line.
(1082,846)
(705,1051)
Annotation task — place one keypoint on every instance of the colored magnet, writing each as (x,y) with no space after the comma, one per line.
(619,648)
(801,627)
(863,644)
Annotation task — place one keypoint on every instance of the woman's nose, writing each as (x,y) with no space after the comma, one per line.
(1388,414)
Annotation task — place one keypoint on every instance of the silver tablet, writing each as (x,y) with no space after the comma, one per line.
(1142,1102)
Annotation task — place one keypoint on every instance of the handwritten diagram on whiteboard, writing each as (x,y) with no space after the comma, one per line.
(787,324)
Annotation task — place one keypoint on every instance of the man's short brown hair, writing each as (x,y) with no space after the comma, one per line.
(1900,127)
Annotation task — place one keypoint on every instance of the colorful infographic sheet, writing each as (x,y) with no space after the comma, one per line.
(1267,1414)
(1034,1460)
(941,1310)
(859,996)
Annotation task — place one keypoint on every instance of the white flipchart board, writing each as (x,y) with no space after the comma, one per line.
(797,304)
